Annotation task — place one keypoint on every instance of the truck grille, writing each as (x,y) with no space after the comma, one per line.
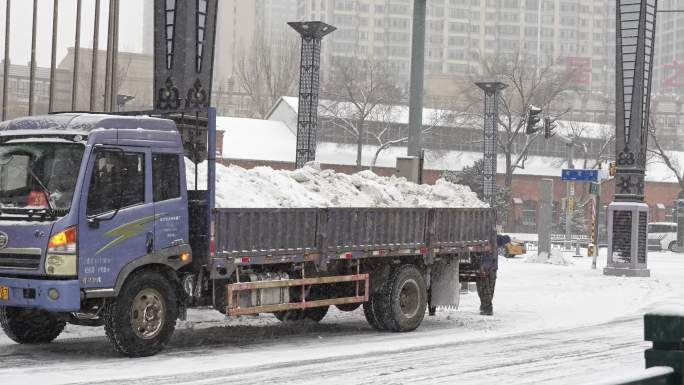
(19,261)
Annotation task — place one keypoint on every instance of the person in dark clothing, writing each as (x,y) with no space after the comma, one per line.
(487,281)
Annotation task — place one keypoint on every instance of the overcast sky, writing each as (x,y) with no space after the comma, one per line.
(130,38)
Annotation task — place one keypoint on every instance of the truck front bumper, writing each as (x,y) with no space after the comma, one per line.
(33,293)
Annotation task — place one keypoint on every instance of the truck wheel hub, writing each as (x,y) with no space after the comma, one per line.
(409,298)
(147,314)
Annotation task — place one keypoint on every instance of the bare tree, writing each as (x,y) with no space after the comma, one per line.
(604,135)
(527,85)
(390,134)
(267,72)
(360,91)
(663,156)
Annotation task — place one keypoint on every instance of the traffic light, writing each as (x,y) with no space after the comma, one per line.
(549,126)
(613,169)
(590,250)
(532,118)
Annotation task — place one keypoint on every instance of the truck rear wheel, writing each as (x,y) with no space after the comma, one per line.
(141,320)
(370,311)
(402,305)
(315,314)
(30,326)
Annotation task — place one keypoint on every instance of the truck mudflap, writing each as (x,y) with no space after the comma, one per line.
(49,295)
(445,287)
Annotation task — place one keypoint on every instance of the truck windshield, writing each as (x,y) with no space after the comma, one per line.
(39,175)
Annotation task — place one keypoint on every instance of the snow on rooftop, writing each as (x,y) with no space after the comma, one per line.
(256,139)
(400,115)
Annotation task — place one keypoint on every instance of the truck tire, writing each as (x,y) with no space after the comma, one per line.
(347,307)
(370,311)
(402,305)
(141,320)
(315,314)
(30,326)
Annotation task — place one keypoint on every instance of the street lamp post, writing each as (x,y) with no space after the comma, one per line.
(492,92)
(417,79)
(628,214)
(309,74)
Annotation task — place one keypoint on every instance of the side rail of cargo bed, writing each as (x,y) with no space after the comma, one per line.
(269,236)
(266,235)
(451,230)
(351,233)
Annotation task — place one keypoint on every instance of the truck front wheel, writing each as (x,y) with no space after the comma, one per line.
(402,305)
(30,326)
(141,320)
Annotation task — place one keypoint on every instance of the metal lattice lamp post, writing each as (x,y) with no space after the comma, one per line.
(492,92)
(628,214)
(307,121)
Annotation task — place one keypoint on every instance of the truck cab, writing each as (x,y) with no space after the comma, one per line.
(85,200)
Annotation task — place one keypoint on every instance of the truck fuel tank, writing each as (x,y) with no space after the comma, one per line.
(263,297)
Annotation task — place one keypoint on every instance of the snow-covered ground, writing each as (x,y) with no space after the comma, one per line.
(552,324)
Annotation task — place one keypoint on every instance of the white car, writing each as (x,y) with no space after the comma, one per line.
(662,236)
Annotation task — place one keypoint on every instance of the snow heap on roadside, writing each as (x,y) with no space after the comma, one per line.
(263,187)
(556,258)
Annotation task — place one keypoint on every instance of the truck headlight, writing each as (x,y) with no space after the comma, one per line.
(62,258)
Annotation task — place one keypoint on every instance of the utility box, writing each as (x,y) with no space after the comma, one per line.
(409,168)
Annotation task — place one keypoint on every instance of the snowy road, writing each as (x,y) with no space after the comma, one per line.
(562,357)
(553,324)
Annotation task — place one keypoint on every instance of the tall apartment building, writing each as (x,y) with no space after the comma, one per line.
(239,21)
(668,73)
(669,49)
(575,35)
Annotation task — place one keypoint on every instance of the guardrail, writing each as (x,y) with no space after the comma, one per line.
(665,359)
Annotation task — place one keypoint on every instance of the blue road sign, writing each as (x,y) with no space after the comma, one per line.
(580,175)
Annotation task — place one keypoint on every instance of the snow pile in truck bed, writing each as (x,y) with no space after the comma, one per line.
(310,186)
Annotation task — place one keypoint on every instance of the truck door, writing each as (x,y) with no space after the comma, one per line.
(117,214)
(171,209)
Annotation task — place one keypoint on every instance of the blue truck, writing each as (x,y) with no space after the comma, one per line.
(98,227)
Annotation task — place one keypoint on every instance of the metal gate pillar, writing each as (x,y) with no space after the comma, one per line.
(184,40)
(628,215)
(307,120)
